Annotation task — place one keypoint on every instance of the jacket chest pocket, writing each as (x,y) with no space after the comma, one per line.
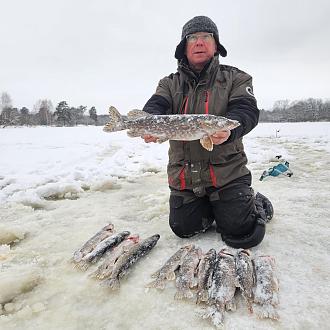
(218,99)
(178,103)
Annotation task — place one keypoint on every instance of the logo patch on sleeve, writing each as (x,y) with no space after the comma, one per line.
(249,90)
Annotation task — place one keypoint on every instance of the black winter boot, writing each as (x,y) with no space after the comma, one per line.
(264,207)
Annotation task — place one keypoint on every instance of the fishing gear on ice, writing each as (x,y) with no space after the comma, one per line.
(282,168)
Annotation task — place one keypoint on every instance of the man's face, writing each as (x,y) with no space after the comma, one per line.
(200,48)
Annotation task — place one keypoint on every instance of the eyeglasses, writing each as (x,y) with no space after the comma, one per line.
(207,37)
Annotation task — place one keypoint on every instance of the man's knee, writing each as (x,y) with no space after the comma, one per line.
(189,214)
(180,230)
(237,220)
(247,241)
(234,210)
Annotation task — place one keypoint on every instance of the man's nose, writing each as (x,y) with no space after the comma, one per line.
(200,41)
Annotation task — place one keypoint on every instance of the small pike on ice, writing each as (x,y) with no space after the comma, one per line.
(245,275)
(100,249)
(222,289)
(111,256)
(93,241)
(167,272)
(126,260)
(186,277)
(205,271)
(170,127)
(266,291)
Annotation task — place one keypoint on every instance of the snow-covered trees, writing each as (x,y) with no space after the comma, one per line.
(93,114)
(310,109)
(302,110)
(43,110)
(43,114)
(62,114)
(9,115)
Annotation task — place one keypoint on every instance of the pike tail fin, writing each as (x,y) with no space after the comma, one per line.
(159,283)
(116,122)
(101,273)
(77,256)
(202,295)
(266,311)
(217,316)
(112,283)
(183,294)
(82,265)
(170,276)
(155,274)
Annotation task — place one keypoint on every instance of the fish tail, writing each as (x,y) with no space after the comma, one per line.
(101,273)
(112,283)
(266,311)
(248,301)
(159,283)
(230,306)
(94,274)
(183,294)
(170,276)
(216,316)
(155,274)
(116,122)
(202,295)
(82,265)
(97,274)
(77,256)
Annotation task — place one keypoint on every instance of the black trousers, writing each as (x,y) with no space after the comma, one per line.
(232,207)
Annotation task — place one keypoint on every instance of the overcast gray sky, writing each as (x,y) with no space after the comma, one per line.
(106,52)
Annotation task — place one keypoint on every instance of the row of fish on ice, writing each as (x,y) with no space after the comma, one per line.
(213,277)
(216,278)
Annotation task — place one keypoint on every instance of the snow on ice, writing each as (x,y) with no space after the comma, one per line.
(58,186)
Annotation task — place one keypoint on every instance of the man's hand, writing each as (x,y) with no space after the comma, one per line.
(149,138)
(220,137)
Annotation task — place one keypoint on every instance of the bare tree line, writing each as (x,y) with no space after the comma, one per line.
(297,111)
(44,113)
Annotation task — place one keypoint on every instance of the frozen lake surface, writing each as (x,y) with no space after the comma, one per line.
(58,186)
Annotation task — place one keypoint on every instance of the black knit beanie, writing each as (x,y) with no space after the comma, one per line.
(199,24)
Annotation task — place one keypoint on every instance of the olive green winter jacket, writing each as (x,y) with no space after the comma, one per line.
(217,90)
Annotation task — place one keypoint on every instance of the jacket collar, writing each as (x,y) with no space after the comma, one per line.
(209,68)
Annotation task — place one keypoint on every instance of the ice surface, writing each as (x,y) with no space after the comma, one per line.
(59,186)
(12,284)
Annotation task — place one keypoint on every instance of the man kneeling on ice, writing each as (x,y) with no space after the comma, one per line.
(210,185)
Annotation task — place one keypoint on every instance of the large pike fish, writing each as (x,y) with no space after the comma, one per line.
(170,127)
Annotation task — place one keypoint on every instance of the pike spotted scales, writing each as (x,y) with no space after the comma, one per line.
(90,245)
(245,275)
(167,272)
(126,260)
(205,272)
(267,287)
(223,287)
